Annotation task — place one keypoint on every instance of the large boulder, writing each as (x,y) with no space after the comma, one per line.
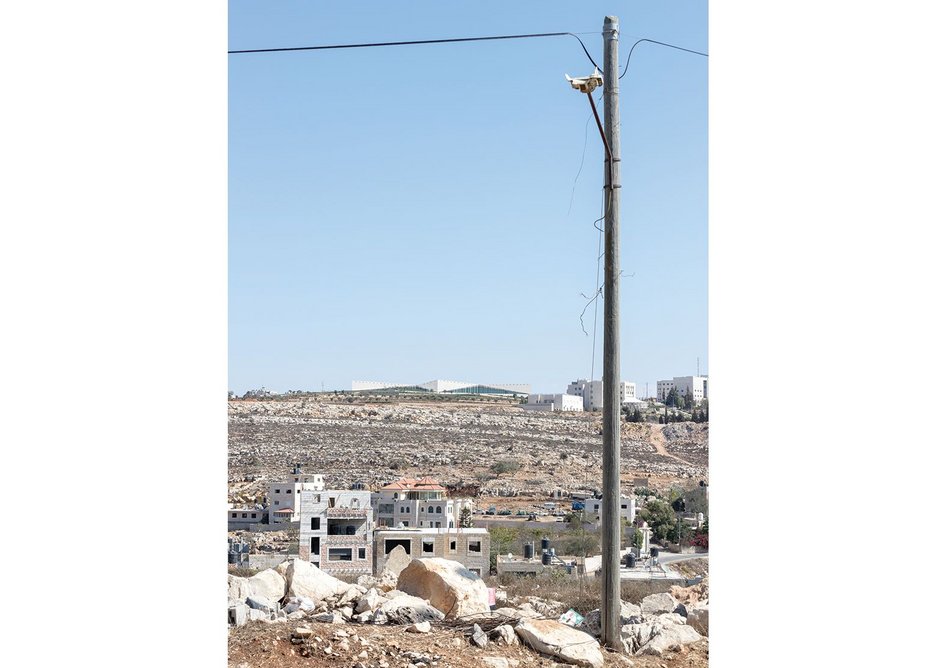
(447,584)
(698,618)
(670,638)
(406,609)
(658,604)
(558,640)
(371,600)
(397,560)
(268,584)
(306,580)
(238,588)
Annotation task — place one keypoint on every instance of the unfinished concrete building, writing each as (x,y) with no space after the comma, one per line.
(335,530)
(470,547)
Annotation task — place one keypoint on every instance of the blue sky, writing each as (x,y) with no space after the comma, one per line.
(403,213)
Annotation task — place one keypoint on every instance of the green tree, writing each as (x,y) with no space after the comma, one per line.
(466,521)
(671,399)
(502,540)
(659,516)
(637,540)
(505,466)
(581,542)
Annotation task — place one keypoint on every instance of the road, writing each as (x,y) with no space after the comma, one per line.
(671,557)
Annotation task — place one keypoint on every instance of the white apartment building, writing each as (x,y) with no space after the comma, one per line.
(696,387)
(593,510)
(283,498)
(591,393)
(336,530)
(553,402)
(409,502)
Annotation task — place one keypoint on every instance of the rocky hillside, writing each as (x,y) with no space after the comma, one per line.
(452,441)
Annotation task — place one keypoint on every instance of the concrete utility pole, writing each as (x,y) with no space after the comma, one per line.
(611,413)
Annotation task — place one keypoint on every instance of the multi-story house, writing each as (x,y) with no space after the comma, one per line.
(409,502)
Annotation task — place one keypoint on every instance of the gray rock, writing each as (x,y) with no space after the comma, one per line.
(658,604)
(329,618)
(237,614)
(560,641)
(261,603)
(698,618)
(405,609)
(254,615)
(479,637)
(670,638)
(505,633)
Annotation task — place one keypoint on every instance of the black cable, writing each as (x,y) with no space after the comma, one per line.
(654,41)
(424,41)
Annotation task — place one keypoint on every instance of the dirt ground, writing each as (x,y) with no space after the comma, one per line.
(268,645)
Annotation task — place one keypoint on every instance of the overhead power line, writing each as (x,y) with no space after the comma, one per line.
(654,41)
(425,41)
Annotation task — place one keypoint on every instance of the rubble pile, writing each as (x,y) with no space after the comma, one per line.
(452,441)
(434,592)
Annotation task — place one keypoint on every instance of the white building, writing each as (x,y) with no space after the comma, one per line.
(696,387)
(336,530)
(409,502)
(553,402)
(283,498)
(593,509)
(444,387)
(591,393)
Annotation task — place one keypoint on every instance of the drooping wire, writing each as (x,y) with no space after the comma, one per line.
(425,41)
(654,41)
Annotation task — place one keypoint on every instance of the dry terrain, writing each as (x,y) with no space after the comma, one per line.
(374,441)
(259,644)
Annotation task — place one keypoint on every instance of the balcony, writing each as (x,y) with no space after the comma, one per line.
(346,513)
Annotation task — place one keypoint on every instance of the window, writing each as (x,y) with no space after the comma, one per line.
(244,515)
(391,543)
(430,509)
(315,524)
(295,479)
(314,545)
(339,554)
(253,516)
(476,571)
(428,547)
(475,546)
(276,491)
(452,545)
(361,553)
(331,502)
(277,502)
(318,498)
(289,491)
(405,523)
(234,515)
(438,510)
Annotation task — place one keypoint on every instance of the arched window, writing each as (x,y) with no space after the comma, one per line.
(430,509)
(439,509)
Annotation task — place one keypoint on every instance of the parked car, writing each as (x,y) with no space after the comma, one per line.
(521,512)
(504,511)
(490,511)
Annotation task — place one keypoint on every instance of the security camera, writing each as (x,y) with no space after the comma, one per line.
(586,84)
